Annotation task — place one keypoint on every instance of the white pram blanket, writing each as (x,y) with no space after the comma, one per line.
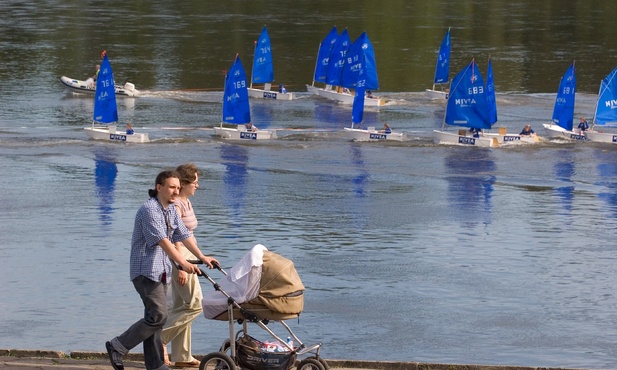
(241,283)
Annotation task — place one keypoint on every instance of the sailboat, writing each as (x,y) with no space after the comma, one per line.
(105,115)
(467,106)
(236,108)
(263,71)
(343,70)
(606,111)
(442,70)
(561,126)
(323,57)
(357,113)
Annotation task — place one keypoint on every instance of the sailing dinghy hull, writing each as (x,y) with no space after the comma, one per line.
(436,94)
(601,137)
(109,133)
(373,135)
(266,93)
(557,132)
(88,87)
(451,138)
(347,98)
(239,134)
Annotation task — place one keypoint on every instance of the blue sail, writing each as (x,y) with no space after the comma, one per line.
(563,112)
(337,59)
(263,69)
(357,110)
(606,108)
(323,55)
(442,69)
(361,50)
(105,107)
(490,94)
(236,108)
(467,105)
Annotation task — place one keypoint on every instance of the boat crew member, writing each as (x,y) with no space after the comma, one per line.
(475,131)
(369,94)
(282,89)
(527,131)
(386,129)
(583,126)
(250,127)
(129,129)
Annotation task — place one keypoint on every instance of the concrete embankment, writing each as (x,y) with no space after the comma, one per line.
(76,360)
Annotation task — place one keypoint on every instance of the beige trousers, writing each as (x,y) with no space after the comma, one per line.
(186,307)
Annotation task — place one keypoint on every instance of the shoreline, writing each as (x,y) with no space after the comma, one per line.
(86,360)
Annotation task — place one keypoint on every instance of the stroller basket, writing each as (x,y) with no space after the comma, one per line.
(252,354)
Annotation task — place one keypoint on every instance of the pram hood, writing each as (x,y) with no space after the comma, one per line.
(262,279)
(281,289)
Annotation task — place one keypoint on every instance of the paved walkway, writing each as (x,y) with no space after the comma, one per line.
(54,360)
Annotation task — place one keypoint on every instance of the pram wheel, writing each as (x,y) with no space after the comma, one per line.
(322,361)
(311,363)
(217,361)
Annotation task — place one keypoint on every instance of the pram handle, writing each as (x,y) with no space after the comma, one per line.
(215,264)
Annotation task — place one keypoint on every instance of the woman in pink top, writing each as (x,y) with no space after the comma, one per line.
(186,290)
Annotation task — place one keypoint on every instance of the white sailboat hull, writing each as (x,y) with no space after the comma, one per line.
(601,137)
(240,134)
(512,139)
(109,133)
(269,94)
(312,89)
(437,94)
(373,135)
(347,98)
(452,138)
(557,132)
(489,139)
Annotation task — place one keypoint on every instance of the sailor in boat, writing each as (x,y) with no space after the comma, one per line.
(250,127)
(129,129)
(96,74)
(386,129)
(282,89)
(369,94)
(527,131)
(475,132)
(583,126)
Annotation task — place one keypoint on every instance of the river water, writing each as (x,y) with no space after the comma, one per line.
(409,251)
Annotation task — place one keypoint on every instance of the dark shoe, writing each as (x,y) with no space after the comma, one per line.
(114,357)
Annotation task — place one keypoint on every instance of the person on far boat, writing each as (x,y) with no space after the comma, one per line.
(96,74)
(475,131)
(129,129)
(92,80)
(369,94)
(583,126)
(185,288)
(157,227)
(250,127)
(282,89)
(527,131)
(386,129)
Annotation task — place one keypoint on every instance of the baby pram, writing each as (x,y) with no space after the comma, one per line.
(263,287)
